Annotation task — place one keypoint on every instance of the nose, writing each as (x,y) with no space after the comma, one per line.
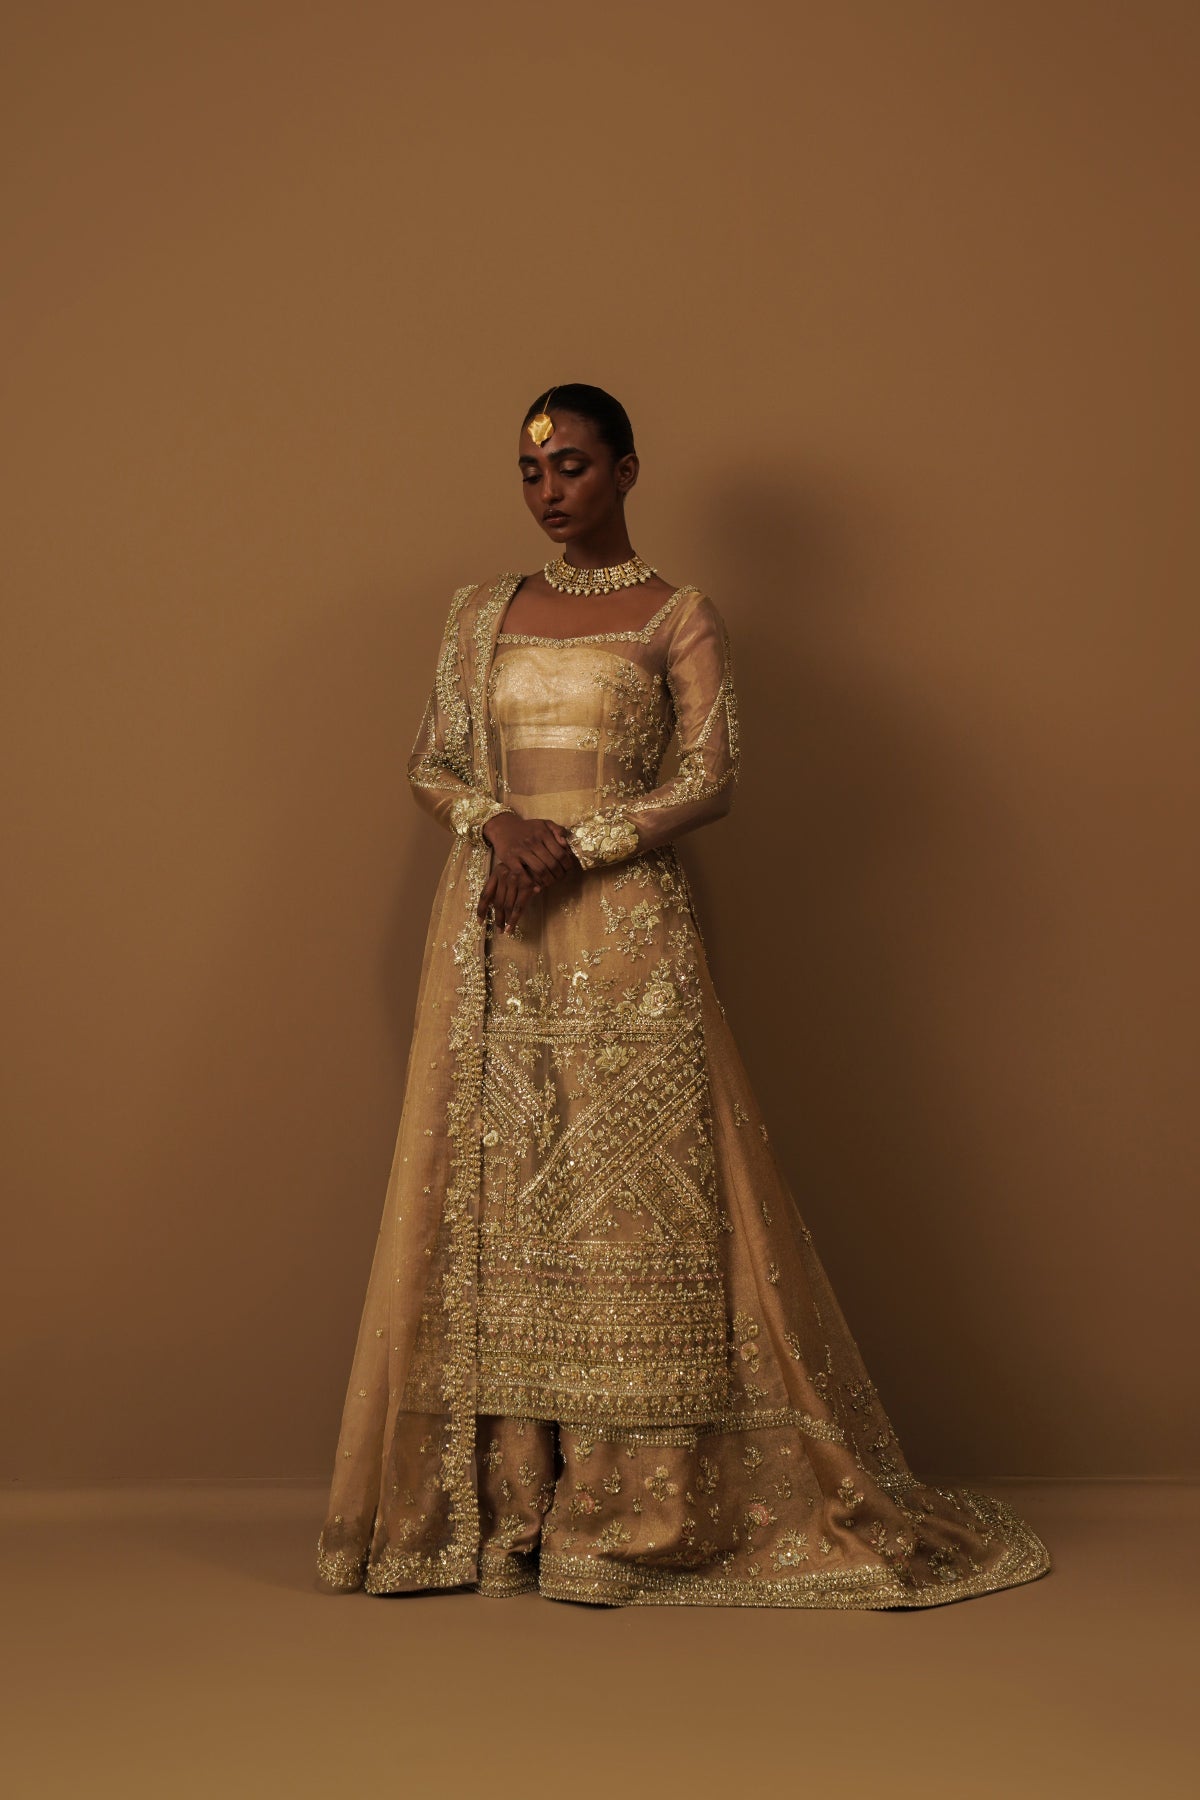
(551,490)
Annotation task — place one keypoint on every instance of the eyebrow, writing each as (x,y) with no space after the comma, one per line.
(567,450)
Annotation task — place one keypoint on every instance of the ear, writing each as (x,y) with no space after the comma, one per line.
(625,472)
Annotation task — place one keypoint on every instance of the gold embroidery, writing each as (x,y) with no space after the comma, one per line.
(471,813)
(575,1375)
(603,838)
(642,636)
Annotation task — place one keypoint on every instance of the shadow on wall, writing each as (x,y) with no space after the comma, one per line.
(864,893)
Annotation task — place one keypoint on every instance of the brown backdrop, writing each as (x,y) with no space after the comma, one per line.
(902,300)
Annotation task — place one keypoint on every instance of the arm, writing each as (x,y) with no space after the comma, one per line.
(439,768)
(700,682)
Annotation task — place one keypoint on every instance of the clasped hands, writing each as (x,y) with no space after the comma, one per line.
(527,856)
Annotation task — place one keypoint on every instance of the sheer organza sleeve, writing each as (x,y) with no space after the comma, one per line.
(439,768)
(700,682)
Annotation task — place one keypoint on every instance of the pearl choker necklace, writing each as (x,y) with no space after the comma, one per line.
(567,579)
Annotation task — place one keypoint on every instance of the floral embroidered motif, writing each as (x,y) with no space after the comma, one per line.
(603,838)
(790,1549)
(759,1515)
(708,1476)
(848,1493)
(745,1331)
(471,813)
(611,1538)
(659,1484)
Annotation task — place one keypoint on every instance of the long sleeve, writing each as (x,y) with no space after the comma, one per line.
(439,768)
(700,682)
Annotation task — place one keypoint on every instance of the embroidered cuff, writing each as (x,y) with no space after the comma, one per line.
(603,838)
(470,814)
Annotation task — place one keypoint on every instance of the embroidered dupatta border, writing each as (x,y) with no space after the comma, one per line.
(457,1562)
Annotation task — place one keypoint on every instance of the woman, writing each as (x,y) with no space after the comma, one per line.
(599,1356)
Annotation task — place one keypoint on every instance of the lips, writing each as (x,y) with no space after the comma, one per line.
(554,518)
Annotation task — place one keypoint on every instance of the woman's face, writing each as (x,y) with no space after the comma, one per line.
(573,484)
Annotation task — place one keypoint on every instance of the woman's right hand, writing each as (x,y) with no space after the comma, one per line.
(527,855)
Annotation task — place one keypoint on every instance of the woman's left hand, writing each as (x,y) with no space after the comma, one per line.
(527,856)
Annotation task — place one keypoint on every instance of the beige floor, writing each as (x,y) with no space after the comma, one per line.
(171,1641)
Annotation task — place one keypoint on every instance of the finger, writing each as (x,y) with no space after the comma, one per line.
(507,894)
(566,860)
(552,850)
(518,908)
(520,896)
(562,840)
(537,865)
(498,901)
(485,898)
(496,896)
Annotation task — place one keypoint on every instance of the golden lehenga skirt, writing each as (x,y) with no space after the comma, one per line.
(670,1407)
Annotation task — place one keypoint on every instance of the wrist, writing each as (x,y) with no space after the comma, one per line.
(485,828)
(470,814)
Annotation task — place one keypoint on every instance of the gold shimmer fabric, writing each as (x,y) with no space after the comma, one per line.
(599,1356)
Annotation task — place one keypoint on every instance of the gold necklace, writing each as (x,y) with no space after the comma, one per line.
(567,579)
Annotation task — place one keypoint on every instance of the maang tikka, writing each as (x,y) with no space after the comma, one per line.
(541,425)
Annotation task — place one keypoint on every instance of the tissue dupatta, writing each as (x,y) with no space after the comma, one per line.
(427,1249)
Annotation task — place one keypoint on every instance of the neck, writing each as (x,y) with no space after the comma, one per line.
(599,549)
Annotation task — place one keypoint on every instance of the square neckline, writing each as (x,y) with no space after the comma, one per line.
(641,636)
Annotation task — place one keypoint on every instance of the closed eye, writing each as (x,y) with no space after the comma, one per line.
(562,471)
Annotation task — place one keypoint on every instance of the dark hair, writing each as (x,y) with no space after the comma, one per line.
(592,403)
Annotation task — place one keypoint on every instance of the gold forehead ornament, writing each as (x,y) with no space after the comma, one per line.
(541,425)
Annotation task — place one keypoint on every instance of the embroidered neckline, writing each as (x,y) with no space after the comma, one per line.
(601,637)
